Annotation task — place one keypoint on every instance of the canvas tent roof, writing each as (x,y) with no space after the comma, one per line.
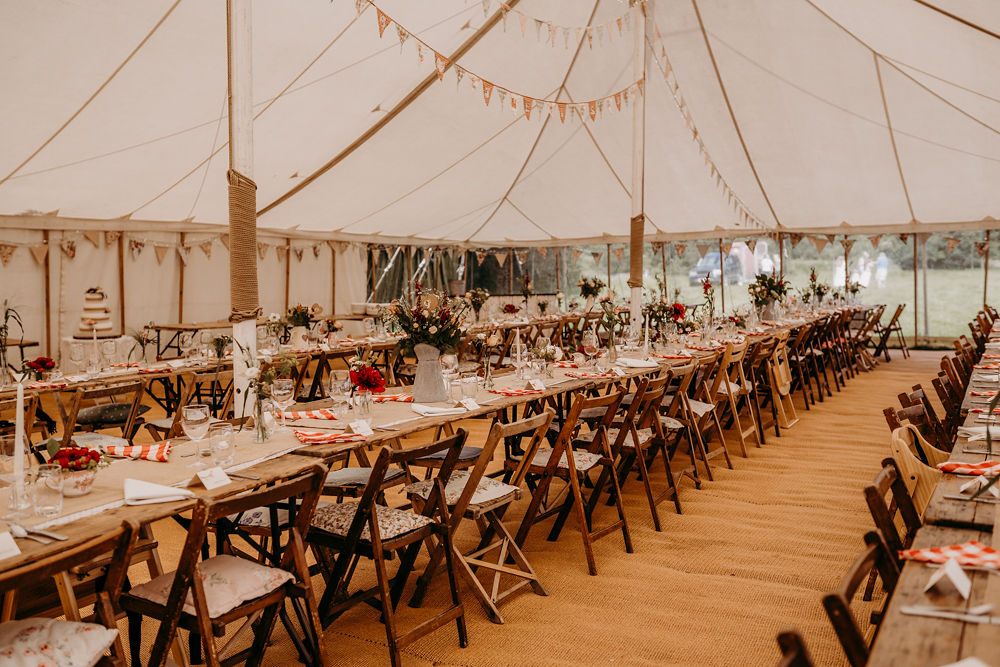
(115,111)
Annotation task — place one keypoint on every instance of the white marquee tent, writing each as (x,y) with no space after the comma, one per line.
(842,116)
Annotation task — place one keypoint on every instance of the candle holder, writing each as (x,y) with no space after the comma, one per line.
(19,503)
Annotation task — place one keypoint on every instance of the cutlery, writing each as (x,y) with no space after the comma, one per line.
(44,533)
(992,501)
(978,610)
(19,531)
(966,618)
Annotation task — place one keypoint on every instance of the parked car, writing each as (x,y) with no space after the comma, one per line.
(709,264)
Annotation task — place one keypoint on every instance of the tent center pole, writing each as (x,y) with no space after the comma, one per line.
(637,224)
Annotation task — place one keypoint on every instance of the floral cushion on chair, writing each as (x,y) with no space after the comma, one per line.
(488,489)
(106,413)
(98,440)
(260,517)
(337,519)
(46,642)
(229,582)
(582,460)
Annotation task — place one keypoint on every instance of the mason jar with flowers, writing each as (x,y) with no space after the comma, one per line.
(39,366)
(431,326)
(365,381)
(299,318)
(78,465)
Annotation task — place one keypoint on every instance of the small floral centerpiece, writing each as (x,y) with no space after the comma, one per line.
(143,339)
(477,299)
(852,288)
(364,375)
(709,292)
(815,289)
(78,465)
(767,288)
(39,365)
(661,311)
(609,320)
(511,309)
(300,318)
(491,344)
(738,320)
(542,307)
(591,287)
(526,288)
(261,373)
(431,326)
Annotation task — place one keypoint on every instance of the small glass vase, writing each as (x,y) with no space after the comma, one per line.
(612,348)
(78,482)
(263,421)
(488,373)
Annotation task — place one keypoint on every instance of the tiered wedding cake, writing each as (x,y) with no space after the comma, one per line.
(96,314)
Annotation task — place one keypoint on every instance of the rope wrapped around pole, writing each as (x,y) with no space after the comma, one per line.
(637,228)
(243,248)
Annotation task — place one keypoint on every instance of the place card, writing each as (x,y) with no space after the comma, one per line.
(177,363)
(617,371)
(469,404)
(537,385)
(361,427)
(8,547)
(213,478)
(950,577)
(324,347)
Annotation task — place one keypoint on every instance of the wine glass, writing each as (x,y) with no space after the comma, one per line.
(195,420)
(283,394)
(369,324)
(518,357)
(589,342)
(76,355)
(206,343)
(186,342)
(109,350)
(338,391)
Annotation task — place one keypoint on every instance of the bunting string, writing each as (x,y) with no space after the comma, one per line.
(554,34)
(508,99)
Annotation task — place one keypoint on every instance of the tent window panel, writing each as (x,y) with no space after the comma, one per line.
(954,283)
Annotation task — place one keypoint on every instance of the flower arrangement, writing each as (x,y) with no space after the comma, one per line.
(364,375)
(491,343)
(219,345)
(71,459)
(661,311)
(511,309)
(709,292)
(767,288)
(815,288)
(432,320)
(39,365)
(301,316)
(739,320)
(260,378)
(143,338)
(477,299)
(543,306)
(590,287)
(275,326)
(526,287)
(851,287)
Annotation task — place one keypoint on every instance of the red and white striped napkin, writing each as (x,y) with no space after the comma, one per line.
(987,366)
(996,411)
(983,393)
(701,348)
(345,341)
(971,553)
(515,392)
(150,371)
(159,451)
(41,384)
(991,356)
(672,356)
(590,376)
(394,398)
(311,414)
(323,438)
(125,364)
(958,468)
(565,364)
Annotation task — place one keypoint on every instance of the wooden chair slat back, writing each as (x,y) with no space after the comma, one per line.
(889,483)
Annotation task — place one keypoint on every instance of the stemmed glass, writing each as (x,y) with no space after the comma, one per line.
(283,394)
(76,355)
(206,343)
(109,350)
(186,342)
(339,388)
(518,357)
(195,420)
(590,344)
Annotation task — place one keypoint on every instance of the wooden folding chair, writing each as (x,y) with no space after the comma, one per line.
(703,402)
(793,650)
(8,416)
(798,355)
(937,430)
(885,333)
(225,589)
(734,393)
(214,389)
(678,422)
(574,467)
(475,498)
(343,533)
(19,581)
(888,497)
(917,461)
(128,398)
(780,379)
(837,603)
(951,401)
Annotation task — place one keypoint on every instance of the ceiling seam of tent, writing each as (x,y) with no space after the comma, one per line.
(955,17)
(400,106)
(545,123)
(435,176)
(204,175)
(529,219)
(892,137)
(94,95)
(896,61)
(732,114)
(847,111)
(255,116)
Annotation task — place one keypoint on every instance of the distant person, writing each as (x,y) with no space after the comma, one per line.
(766,264)
(864,269)
(838,272)
(881,269)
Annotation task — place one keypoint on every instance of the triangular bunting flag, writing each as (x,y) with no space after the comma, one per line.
(752,244)
(522,256)
(981,247)
(440,64)
(680,248)
(592,108)
(618,253)
(526,103)
(161,252)
(298,253)
(618,100)
(619,22)
(111,238)
(262,250)
(847,243)
(904,237)
(403,35)
(590,38)
(832,238)
(576,254)
(206,247)
(316,251)
(501,257)
(597,256)
(39,252)
(553,29)
(819,241)
(726,247)
(183,253)
(93,236)
(224,238)
(702,248)
(543,251)
(523,19)
(562,111)
(875,240)
(68,247)
(480,256)
(6,252)
(135,247)
(487,91)
(383,22)
(952,243)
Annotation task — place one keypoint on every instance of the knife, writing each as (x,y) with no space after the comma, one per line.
(912,610)
(970,498)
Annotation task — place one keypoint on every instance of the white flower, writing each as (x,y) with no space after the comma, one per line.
(426,313)
(266,358)
(274,317)
(253,373)
(433,329)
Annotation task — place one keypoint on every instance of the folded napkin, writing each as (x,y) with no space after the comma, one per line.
(734,341)
(987,366)
(991,356)
(177,363)
(125,364)
(974,433)
(431,411)
(971,553)
(982,393)
(149,371)
(159,451)
(325,438)
(394,398)
(589,376)
(565,364)
(46,385)
(757,333)
(996,411)
(311,414)
(345,341)
(515,392)
(673,356)
(958,468)
(702,348)
(140,492)
(637,363)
